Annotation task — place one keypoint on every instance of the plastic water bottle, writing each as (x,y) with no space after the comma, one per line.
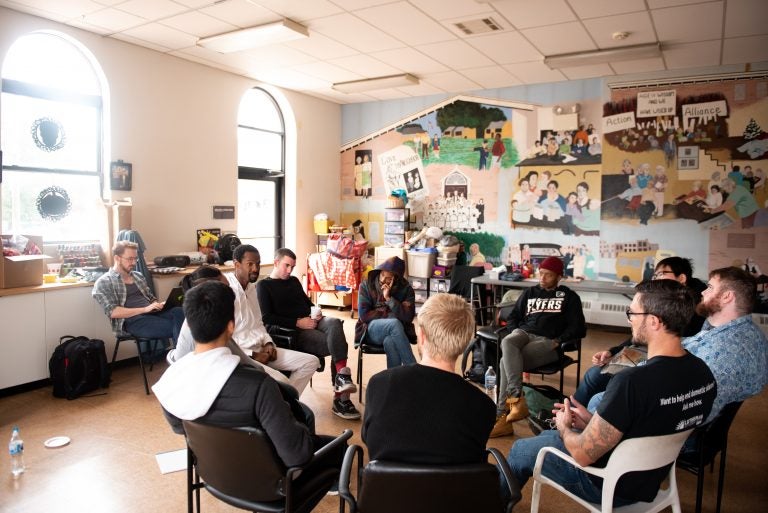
(490,383)
(16,451)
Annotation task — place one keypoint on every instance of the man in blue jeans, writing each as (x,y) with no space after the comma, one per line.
(672,392)
(386,305)
(124,295)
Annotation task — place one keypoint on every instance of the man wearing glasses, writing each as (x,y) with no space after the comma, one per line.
(124,295)
(672,392)
(675,268)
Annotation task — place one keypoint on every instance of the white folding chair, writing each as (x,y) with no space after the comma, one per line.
(632,455)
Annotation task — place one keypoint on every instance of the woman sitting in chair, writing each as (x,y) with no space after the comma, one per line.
(387,308)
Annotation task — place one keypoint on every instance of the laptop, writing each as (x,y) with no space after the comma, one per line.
(175,298)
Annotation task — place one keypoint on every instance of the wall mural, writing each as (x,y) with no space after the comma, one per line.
(684,173)
(676,170)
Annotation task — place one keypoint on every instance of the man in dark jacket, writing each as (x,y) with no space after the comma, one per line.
(386,305)
(544,316)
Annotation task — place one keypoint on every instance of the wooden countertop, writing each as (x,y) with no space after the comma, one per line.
(47,287)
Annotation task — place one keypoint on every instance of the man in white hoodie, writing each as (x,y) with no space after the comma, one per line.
(212,386)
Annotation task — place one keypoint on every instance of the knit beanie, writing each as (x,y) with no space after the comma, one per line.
(553,264)
(396,265)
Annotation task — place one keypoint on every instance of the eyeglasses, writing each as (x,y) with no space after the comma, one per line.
(130,259)
(660,274)
(631,313)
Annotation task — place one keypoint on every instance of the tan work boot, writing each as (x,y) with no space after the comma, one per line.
(518,408)
(502,427)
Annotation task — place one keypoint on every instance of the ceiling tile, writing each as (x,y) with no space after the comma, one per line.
(81,24)
(535,72)
(562,38)
(409,59)
(292,79)
(415,28)
(447,9)
(302,10)
(387,94)
(196,4)
(152,9)
(506,47)
(329,94)
(746,18)
(113,20)
(638,66)
(191,54)
(423,89)
(692,55)
(321,47)
(455,54)
(161,35)
(546,12)
(745,49)
(328,72)
(122,36)
(109,2)
(658,4)
(240,13)
(586,9)
(592,71)
(675,24)
(637,24)
(198,24)
(355,33)
(69,9)
(351,5)
(366,66)
(278,56)
(451,81)
(491,77)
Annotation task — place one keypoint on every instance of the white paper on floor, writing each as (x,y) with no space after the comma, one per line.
(172,461)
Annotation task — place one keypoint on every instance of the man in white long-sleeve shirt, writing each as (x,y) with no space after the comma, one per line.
(250,333)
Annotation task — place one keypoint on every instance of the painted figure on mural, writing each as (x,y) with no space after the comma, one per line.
(483,149)
(497,151)
(367,178)
(670,150)
(660,182)
(358,175)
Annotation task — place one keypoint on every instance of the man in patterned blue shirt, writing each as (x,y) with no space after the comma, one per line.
(732,346)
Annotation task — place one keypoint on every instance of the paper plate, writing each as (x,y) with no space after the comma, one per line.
(56,441)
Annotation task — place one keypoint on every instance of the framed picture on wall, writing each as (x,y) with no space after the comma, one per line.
(120,176)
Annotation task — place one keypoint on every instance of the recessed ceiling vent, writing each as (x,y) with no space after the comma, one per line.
(479,26)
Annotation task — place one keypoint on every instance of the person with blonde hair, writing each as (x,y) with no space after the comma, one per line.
(427,413)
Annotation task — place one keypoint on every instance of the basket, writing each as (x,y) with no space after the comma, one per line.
(395,202)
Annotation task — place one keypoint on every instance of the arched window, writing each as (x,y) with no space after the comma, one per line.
(261,172)
(51,133)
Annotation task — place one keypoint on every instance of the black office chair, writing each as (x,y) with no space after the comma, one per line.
(147,343)
(240,467)
(364,348)
(563,361)
(386,486)
(710,439)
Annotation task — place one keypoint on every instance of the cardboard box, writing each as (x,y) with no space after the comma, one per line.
(24,270)
(339,299)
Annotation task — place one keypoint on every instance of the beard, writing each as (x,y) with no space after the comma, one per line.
(709,307)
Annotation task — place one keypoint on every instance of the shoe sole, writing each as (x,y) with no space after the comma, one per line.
(347,416)
(347,387)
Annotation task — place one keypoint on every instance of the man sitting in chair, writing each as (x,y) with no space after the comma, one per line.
(211,384)
(404,404)
(672,392)
(544,316)
(284,303)
(250,333)
(124,295)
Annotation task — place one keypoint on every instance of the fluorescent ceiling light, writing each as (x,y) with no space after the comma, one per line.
(261,35)
(373,84)
(623,53)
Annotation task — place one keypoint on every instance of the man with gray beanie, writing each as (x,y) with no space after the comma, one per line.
(544,316)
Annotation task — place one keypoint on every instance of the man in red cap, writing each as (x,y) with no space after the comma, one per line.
(544,316)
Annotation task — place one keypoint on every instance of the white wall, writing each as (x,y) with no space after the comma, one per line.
(175,121)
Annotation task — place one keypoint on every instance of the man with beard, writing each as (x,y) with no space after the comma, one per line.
(250,333)
(732,346)
(638,402)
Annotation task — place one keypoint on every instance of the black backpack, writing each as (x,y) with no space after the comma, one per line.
(225,246)
(78,366)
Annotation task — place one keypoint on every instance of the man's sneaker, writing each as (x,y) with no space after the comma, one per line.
(345,409)
(344,383)
(334,490)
